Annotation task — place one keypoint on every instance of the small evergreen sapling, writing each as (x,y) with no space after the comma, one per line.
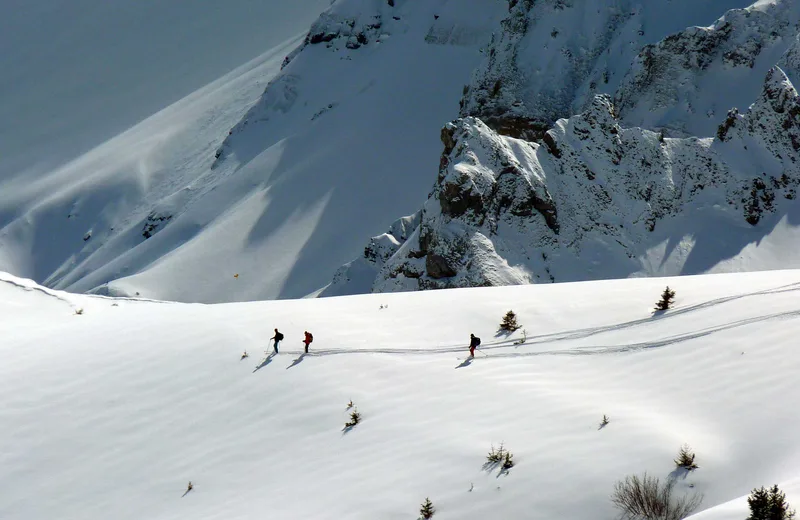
(769,504)
(604,422)
(427,510)
(666,300)
(685,458)
(509,322)
(355,418)
(508,461)
(495,456)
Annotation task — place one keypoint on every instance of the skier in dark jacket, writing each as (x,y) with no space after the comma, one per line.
(474,341)
(308,339)
(278,337)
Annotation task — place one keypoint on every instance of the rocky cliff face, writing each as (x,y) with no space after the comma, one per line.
(551,57)
(593,197)
(528,193)
(686,81)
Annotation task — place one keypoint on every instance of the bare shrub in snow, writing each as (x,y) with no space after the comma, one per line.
(349,405)
(509,323)
(427,510)
(769,504)
(685,458)
(646,498)
(666,300)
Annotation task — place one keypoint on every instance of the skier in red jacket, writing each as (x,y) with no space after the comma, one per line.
(474,341)
(309,338)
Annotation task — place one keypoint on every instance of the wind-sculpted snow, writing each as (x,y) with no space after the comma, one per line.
(596,199)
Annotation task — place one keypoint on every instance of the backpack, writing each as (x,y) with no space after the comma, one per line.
(477,341)
(278,337)
(310,337)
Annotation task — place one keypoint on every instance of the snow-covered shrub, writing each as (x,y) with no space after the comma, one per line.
(666,300)
(427,510)
(685,458)
(646,498)
(769,504)
(79,311)
(509,323)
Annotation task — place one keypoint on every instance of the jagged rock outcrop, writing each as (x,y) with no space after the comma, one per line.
(553,56)
(592,200)
(681,83)
(357,277)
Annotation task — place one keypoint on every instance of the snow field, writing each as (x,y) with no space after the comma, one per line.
(110,413)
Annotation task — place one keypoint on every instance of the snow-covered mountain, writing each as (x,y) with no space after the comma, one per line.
(110,413)
(266,181)
(520,199)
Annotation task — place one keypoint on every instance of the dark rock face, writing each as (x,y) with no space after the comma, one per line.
(504,210)
(154,223)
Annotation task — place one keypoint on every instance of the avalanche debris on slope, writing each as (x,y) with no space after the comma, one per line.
(594,197)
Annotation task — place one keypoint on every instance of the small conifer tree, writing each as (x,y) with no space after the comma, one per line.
(495,456)
(355,418)
(685,458)
(605,421)
(666,300)
(508,461)
(509,323)
(769,504)
(427,510)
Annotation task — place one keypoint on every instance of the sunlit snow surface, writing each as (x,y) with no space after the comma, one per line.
(110,413)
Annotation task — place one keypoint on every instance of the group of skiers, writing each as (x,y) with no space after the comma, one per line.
(474,342)
(278,337)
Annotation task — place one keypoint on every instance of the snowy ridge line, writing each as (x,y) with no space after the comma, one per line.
(57,294)
(38,288)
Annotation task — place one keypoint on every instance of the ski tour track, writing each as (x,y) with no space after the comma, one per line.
(499,348)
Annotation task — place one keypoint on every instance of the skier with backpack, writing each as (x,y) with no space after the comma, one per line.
(278,337)
(308,339)
(474,342)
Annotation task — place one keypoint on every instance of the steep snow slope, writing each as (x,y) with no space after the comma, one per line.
(296,185)
(108,414)
(85,222)
(687,81)
(75,74)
